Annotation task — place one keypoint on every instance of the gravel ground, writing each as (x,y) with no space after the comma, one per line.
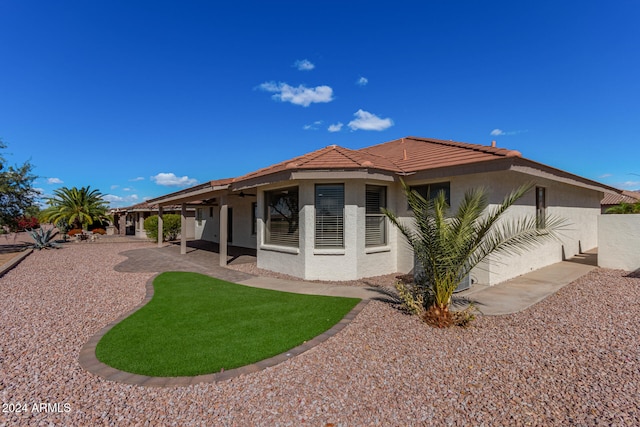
(572,359)
(387,280)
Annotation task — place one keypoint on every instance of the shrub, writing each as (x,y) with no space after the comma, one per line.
(28,223)
(100,231)
(74,231)
(171,224)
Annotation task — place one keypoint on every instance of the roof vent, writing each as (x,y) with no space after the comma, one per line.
(493,143)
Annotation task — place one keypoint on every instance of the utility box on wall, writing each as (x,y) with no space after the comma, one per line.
(619,241)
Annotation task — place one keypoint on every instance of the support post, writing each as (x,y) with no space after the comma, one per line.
(183,229)
(160,226)
(224,221)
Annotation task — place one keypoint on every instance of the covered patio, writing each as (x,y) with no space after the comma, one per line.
(215,243)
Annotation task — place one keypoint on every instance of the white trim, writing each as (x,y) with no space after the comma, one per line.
(283,249)
(377,249)
(329,251)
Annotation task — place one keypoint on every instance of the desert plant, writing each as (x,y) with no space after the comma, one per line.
(43,238)
(171,225)
(100,231)
(449,247)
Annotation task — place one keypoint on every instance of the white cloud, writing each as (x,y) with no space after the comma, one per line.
(113,187)
(314,126)
(304,65)
(362,81)
(630,185)
(605,175)
(112,198)
(137,179)
(54,181)
(366,121)
(335,127)
(171,180)
(300,95)
(500,132)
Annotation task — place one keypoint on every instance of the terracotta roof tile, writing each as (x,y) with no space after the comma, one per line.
(412,154)
(402,155)
(624,196)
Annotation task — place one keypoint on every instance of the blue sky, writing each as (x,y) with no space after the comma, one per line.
(142,98)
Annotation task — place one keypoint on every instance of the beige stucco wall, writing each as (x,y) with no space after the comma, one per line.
(351,262)
(208,228)
(619,241)
(578,206)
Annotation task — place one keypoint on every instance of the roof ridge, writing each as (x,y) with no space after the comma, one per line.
(466,145)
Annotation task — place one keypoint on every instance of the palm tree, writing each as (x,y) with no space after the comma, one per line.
(449,247)
(76,207)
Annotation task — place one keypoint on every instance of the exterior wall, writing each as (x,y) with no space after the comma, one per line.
(354,261)
(618,237)
(207,222)
(580,207)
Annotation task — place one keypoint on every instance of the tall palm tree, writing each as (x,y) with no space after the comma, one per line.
(449,247)
(76,207)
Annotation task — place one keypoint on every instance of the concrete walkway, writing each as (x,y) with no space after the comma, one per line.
(524,291)
(509,297)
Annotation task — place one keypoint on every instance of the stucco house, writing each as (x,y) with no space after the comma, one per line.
(317,216)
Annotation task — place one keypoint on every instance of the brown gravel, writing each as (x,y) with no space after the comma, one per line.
(387,280)
(573,359)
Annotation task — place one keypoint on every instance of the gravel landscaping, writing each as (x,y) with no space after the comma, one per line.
(573,359)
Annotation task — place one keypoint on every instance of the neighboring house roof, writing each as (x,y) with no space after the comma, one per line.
(624,197)
(431,158)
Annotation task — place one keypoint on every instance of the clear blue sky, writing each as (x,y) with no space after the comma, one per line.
(130,96)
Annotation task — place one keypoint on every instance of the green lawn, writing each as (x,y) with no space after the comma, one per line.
(196,324)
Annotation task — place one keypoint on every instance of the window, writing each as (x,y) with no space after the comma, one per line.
(281,217)
(430,191)
(254,217)
(541,207)
(199,216)
(329,216)
(375,223)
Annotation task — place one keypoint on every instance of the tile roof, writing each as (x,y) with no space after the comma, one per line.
(625,196)
(413,154)
(399,156)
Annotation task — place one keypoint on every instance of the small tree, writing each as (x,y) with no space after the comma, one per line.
(449,247)
(17,195)
(171,226)
(624,208)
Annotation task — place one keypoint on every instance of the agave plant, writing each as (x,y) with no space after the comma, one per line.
(43,238)
(448,246)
